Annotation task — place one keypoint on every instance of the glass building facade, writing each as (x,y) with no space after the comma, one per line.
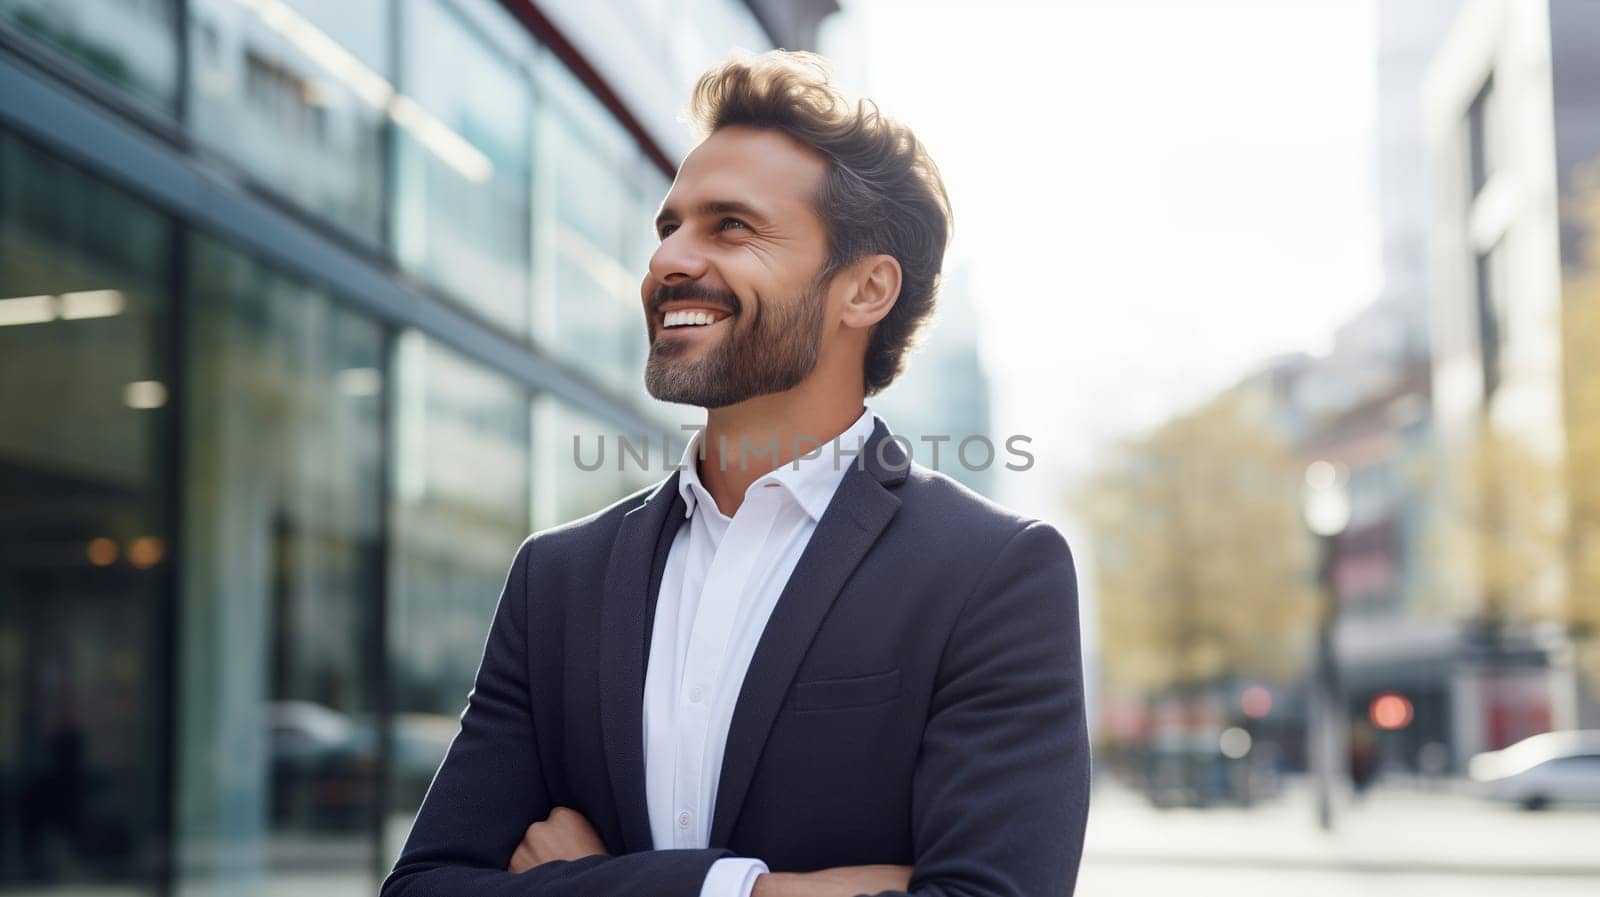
(302,303)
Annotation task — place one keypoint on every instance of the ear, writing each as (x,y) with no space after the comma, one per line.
(876,281)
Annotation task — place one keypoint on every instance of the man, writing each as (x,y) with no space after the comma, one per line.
(801,665)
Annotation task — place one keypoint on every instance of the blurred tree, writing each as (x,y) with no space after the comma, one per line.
(1200,556)
(1502,503)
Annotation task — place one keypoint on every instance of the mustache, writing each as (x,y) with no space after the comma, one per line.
(665,293)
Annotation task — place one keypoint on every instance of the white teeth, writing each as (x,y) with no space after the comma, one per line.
(687,318)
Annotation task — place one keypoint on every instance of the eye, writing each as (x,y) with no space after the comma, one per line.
(723,224)
(666,230)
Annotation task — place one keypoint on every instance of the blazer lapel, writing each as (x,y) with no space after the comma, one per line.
(637,559)
(860,509)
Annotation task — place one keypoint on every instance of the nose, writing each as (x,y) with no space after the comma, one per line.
(677,259)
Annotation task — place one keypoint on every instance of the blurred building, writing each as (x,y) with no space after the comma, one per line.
(1403,626)
(1408,35)
(1388,638)
(301,305)
(941,402)
(1366,405)
(1511,109)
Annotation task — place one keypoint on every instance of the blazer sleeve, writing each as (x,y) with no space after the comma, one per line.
(1000,794)
(490,788)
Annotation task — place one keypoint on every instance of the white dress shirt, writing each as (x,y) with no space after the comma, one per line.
(722,579)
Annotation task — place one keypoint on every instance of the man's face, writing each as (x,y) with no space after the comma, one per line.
(734,307)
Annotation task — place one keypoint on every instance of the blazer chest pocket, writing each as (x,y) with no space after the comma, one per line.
(846,691)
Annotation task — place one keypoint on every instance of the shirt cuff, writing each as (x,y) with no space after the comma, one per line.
(732,877)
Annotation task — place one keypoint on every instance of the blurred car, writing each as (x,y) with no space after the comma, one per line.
(421,741)
(325,763)
(323,773)
(1202,769)
(1555,767)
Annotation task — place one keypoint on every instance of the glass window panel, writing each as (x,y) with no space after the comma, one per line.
(278,748)
(460,511)
(296,94)
(588,225)
(678,40)
(571,481)
(649,188)
(84,592)
(462,147)
(132,44)
(720,27)
(578,106)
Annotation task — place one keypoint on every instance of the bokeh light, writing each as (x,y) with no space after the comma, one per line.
(1390,711)
(1235,743)
(1256,702)
(146,551)
(102,552)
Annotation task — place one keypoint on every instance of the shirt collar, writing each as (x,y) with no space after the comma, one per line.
(810,481)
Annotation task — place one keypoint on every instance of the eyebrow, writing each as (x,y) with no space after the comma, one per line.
(715,207)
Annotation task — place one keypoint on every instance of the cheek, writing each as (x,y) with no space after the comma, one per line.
(744,278)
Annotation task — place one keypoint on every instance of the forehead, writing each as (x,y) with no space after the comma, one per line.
(754,165)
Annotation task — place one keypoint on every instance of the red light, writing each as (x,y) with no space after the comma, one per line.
(1390,711)
(1256,702)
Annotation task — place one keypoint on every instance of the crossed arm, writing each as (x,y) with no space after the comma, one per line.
(566,835)
(1000,794)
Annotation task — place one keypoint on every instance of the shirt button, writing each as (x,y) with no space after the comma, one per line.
(697,694)
(683,820)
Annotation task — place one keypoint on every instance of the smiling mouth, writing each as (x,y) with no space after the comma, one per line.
(692,320)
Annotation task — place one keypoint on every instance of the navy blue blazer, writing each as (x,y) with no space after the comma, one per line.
(916,699)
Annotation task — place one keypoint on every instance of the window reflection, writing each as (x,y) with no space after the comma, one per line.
(461,203)
(681,37)
(460,511)
(597,200)
(83,530)
(132,44)
(296,94)
(564,490)
(648,188)
(281,582)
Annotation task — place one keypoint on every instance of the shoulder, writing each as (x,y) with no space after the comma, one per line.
(938,500)
(947,520)
(990,559)
(590,535)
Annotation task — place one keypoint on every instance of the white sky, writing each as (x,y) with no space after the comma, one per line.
(1153,197)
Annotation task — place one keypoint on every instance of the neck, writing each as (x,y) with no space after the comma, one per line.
(744,442)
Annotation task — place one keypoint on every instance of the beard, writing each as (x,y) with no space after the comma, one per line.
(777,349)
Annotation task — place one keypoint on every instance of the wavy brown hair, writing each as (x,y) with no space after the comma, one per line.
(882,192)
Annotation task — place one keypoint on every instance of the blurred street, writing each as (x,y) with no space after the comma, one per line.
(1202,881)
(1394,841)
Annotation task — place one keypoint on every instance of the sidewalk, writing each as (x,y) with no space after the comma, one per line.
(1390,831)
